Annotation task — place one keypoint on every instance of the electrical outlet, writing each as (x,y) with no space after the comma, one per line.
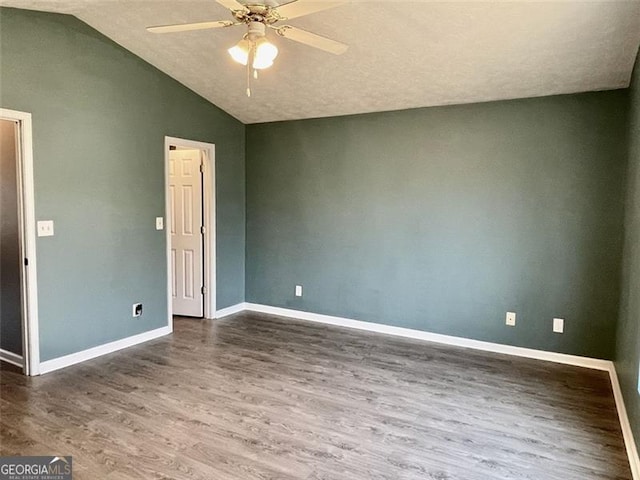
(298,290)
(136,310)
(558,325)
(511,319)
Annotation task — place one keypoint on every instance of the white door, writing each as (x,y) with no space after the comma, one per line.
(185,190)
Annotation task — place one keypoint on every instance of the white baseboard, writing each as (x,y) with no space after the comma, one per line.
(586,362)
(627,433)
(237,308)
(84,355)
(435,337)
(12,358)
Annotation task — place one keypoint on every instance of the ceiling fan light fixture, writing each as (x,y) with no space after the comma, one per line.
(265,53)
(240,51)
(261,64)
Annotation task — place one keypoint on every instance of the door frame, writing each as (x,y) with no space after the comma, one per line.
(27,241)
(209,215)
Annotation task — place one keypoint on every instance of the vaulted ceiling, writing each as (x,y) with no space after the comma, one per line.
(401,54)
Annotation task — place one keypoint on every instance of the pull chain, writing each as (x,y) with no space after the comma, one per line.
(250,58)
(248,80)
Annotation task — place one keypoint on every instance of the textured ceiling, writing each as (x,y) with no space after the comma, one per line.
(401,55)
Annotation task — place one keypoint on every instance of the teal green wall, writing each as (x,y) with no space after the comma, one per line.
(443,219)
(100,115)
(628,345)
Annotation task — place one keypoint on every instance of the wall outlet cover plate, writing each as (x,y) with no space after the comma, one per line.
(558,325)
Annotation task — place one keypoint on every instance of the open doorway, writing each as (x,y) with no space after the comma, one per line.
(18,295)
(10,258)
(190,214)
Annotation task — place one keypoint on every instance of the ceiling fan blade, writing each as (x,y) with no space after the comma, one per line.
(184,27)
(232,5)
(304,7)
(311,39)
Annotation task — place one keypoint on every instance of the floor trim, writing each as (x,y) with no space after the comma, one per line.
(586,362)
(627,433)
(12,358)
(225,312)
(84,355)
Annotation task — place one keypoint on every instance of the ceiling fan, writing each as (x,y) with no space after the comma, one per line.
(254,50)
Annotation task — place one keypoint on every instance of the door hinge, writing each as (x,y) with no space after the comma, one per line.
(204,290)
(203,230)
(201,167)
(26,262)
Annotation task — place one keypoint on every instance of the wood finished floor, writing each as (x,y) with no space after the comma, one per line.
(259,397)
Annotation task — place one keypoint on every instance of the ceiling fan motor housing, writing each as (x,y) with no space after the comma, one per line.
(256,30)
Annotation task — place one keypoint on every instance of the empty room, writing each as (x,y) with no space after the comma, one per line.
(304,239)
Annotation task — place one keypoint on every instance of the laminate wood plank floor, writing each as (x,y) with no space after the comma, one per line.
(260,397)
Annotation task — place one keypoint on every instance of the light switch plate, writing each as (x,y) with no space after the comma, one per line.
(159,223)
(45,228)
